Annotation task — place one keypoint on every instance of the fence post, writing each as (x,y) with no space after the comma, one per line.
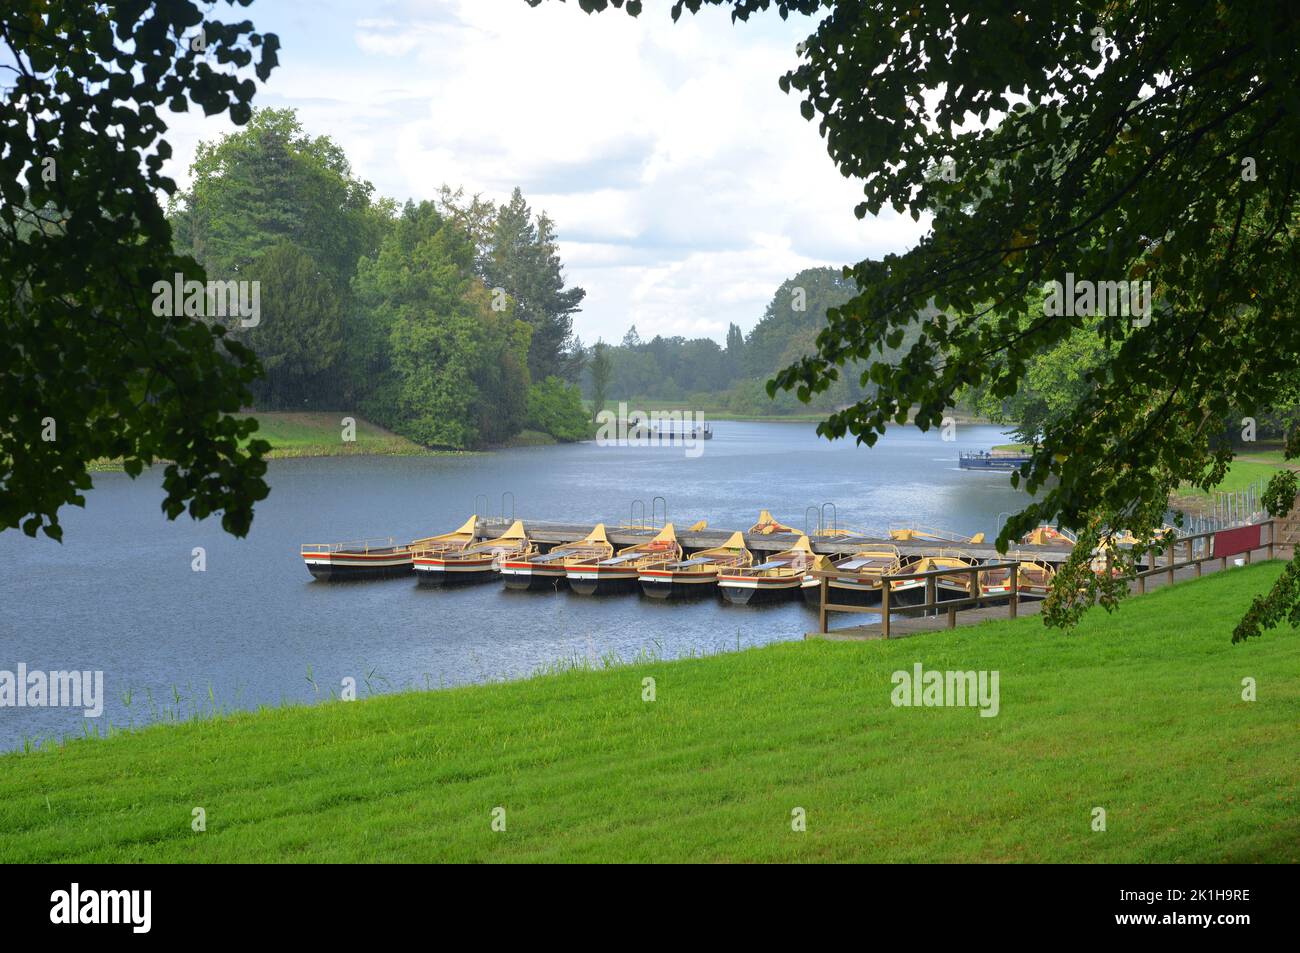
(1172,557)
(824,587)
(884,606)
(931,595)
(1196,559)
(1271,525)
(1015,590)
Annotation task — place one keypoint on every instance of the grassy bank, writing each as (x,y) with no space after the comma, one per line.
(317,434)
(320,434)
(1139,713)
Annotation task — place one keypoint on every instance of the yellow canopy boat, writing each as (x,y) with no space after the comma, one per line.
(907,534)
(860,584)
(476,562)
(590,575)
(767,525)
(547,570)
(912,592)
(1033,578)
(778,577)
(697,574)
(378,557)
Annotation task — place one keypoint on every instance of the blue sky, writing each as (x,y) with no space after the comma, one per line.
(684,184)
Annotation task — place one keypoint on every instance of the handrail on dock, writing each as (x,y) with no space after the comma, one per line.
(932,602)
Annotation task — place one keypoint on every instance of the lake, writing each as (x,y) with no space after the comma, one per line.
(120,596)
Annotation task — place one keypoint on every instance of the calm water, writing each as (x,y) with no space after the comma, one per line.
(120,595)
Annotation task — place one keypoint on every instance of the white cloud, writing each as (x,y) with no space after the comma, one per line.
(684,183)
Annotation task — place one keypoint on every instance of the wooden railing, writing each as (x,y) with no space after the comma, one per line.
(932,603)
(357,546)
(1172,564)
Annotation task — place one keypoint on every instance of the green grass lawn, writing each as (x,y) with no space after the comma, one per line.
(320,434)
(316,434)
(1139,713)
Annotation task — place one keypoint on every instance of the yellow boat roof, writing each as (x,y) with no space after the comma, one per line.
(768,524)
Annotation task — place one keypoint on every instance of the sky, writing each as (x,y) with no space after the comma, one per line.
(684,185)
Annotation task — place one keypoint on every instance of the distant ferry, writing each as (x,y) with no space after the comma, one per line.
(991,460)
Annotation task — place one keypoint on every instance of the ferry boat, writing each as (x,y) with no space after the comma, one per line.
(776,579)
(546,571)
(1033,579)
(696,575)
(912,592)
(597,575)
(376,558)
(473,562)
(992,460)
(861,584)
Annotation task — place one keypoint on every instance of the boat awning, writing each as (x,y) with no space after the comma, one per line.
(772,564)
(696,561)
(618,560)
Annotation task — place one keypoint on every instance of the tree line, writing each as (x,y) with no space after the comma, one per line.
(733,377)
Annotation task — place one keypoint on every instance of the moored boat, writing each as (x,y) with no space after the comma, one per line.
(1049,536)
(768,525)
(546,570)
(912,592)
(907,534)
(696,575)
(1033,579)
(472,562)
(597,575)
(376,558)
(860,584)
(776,579)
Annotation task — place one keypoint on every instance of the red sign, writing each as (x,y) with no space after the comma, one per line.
(1231,542)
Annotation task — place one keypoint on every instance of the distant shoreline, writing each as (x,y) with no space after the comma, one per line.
(296,435)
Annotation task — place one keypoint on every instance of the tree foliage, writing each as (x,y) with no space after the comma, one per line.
(299,337)
(444,367)
(524,261)
(555,407)
(87,369)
